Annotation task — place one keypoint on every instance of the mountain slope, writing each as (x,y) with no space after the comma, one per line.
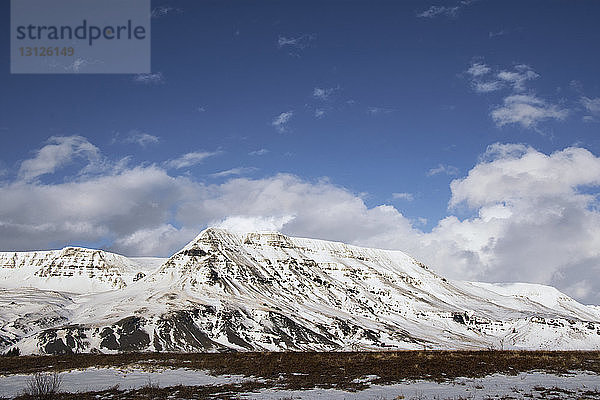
(267,291)
(71,269)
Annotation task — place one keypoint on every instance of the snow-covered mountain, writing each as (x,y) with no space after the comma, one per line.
(265,291)
(71,269)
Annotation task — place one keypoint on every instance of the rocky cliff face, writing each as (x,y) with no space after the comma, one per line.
(266,291)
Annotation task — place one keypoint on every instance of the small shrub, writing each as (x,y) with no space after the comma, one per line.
(151,389)
(43,386)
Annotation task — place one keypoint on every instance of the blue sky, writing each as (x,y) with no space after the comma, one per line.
(383,104)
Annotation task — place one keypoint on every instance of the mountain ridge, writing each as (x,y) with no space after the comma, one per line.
(262,291)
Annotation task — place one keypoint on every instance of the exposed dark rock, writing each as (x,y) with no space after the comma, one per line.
(138,276)
(131,336)
(177,331)
(52,344)
(294,334)
(109,341)
(461,318)
(194,253)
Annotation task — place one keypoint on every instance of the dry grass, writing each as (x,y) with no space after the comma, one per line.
(295,370)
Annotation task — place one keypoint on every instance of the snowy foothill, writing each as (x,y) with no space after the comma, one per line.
(535,385)
(98,379)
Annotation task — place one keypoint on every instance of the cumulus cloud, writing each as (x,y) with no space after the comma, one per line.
(527,111)
(511,172)
(534,221)
(243,224)
(320,209)
(111,205)
(190,159)
(280,122)
(58,152)
(163,239)
(535,217)
(524,109)
(144,210)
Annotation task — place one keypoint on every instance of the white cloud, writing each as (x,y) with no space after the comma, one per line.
(478,69)
(149,79)
(443,169)
(527,111)
(139,207)
(111,205)
(320,209)
(298,42)
(163,239)
(533,223)
(163,11)
(245,224)
(327,101)
(501,32)
(142,138)
(517,78)
(483,81)
(487,87)
(233,172)
(58,152)
(80,64)
(481,78)
(280,122)
(190,159)
(379,110)
(403,196)
(592,105)
(323,93)
(536,216)
(509,172)
(259,152)
(436,11)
